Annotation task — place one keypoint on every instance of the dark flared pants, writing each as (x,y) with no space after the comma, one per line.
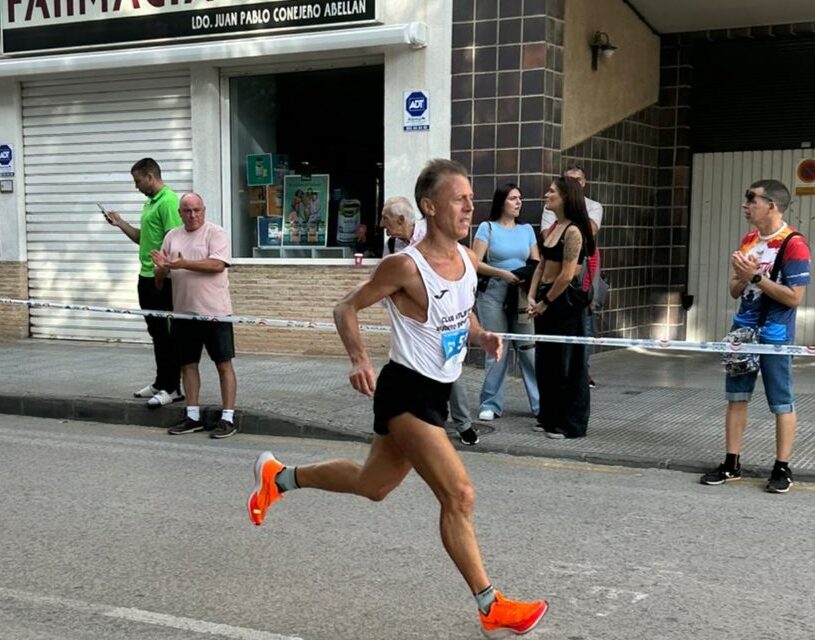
(562,372)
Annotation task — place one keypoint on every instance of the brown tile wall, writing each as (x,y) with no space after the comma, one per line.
(298,293)
(621,167)
(672,217)
(13,284)
(507,88)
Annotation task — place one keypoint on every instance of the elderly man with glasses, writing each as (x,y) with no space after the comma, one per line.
(770,271)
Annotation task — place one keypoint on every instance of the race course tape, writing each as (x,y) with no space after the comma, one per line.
(645,343)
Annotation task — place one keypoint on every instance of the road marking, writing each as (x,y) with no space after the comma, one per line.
(145,617)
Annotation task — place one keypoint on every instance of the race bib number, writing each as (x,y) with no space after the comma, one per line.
(454,343)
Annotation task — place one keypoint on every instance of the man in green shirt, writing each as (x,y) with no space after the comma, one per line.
(159,215)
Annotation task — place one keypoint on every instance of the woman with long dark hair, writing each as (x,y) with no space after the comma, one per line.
(503,246)
(556,302)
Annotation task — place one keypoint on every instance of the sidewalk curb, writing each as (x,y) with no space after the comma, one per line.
(135,412)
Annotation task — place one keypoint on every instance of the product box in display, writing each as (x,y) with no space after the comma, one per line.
(349,215)
(256,201)
(270,231)
(266,168)
(274,200)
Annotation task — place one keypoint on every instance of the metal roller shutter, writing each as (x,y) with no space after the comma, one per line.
(81,135)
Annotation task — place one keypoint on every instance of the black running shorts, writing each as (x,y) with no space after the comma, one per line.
(402,390)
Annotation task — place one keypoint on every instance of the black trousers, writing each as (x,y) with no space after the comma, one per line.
(168,373)
(562,372)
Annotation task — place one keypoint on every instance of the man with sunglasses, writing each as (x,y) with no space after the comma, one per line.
(775,300)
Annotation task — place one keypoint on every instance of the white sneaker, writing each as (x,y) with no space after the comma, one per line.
(486,415)
(148,392)
(163,398)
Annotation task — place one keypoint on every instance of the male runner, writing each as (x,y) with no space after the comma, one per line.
(429,291)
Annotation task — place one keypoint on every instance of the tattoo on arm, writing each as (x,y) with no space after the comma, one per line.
(571,247)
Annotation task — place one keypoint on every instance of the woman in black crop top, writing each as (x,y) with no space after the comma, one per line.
(556,304)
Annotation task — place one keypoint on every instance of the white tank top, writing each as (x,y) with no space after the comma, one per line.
(435,348)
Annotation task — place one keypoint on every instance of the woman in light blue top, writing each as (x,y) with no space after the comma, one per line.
(502,245)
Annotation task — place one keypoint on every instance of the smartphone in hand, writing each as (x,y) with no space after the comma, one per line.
(104,212)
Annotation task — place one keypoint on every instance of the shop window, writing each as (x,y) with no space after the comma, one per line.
(306,163)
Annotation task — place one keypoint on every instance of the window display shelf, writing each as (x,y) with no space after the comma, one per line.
(303,252)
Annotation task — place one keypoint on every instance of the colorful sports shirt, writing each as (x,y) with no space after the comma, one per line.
(795,265)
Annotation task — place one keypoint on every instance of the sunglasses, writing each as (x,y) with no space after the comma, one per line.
(751,196)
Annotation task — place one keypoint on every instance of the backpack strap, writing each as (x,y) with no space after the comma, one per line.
(765,299)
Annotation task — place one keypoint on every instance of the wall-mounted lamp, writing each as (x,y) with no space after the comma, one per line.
(600,45)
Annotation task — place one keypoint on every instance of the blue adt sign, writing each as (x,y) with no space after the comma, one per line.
(417,111)
(6,161)
(416,103)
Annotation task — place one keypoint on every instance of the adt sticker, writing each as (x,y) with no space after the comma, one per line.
(6,160)
(416,111)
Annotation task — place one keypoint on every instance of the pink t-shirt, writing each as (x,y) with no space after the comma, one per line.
(196,291)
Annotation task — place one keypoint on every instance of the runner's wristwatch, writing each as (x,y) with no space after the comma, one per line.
(756,278)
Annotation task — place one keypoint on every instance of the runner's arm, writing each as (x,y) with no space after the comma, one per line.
(385,281)
(487,340)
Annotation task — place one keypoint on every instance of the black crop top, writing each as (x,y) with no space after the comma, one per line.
(555,252)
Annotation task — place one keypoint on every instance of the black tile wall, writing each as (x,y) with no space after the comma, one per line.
(507,90)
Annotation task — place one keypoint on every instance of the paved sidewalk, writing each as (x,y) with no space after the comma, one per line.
(657,409)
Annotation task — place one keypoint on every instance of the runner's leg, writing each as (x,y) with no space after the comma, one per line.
(383,470)
(433,457)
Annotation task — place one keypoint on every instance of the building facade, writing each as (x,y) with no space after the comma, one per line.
(295,119)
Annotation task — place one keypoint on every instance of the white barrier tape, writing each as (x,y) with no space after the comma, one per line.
(645,343)
(671,345)
(147,313)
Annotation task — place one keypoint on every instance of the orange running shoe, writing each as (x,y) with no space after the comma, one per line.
(511,617)
(266,492)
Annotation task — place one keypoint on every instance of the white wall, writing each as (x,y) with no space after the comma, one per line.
(12,205)
(206,137)
(426,69)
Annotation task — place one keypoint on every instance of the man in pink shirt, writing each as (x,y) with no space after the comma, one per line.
(198,255)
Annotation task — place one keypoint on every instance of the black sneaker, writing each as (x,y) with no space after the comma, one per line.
(592,383)
(780,481)
(720,475)
(187,425)
(468,437)
(224,429)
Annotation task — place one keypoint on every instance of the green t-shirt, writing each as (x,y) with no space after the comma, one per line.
(160,215)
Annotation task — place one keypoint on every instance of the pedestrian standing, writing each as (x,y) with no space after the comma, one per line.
(504,246)
(159,216)
(595,212)
(557,303)
(770,272)
(198,256)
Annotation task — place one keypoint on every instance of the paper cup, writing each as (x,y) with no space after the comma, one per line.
(357,259)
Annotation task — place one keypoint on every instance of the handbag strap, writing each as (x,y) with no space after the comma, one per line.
(489,239)
(765,299)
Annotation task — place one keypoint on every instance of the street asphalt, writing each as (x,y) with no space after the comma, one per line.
(650,409)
